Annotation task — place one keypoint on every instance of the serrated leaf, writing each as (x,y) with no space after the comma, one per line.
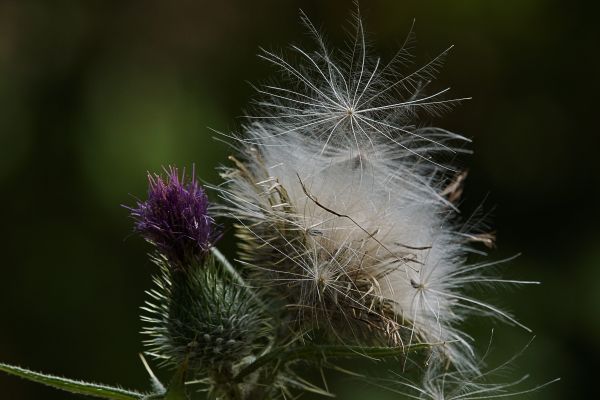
(71,385)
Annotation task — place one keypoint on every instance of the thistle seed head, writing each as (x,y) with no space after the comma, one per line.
(345,204)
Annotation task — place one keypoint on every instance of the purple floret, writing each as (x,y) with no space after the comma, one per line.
(175,217)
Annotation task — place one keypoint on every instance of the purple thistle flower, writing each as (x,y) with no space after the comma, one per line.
(175,217)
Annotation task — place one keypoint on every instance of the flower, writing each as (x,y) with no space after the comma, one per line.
(175,217)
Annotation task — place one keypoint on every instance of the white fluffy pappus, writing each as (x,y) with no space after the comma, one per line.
(346,207)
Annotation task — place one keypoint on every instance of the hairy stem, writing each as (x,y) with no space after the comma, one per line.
(314,351)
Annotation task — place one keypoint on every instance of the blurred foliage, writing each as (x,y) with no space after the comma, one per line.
(95,93)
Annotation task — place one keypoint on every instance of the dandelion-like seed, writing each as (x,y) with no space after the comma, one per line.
(355,103)
(175,217)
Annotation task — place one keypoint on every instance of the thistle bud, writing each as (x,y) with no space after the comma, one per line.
(203,318)
(175,217)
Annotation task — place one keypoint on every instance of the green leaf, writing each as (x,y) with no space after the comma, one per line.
(73,386)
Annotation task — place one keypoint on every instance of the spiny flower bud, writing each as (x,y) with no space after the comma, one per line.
(175,217)
(201,317)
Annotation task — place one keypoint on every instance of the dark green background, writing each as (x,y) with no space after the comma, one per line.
(95,93)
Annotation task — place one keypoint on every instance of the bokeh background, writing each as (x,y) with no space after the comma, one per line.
(95,93)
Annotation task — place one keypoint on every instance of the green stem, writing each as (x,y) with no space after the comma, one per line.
(226,387)
(333,351)
(176,389)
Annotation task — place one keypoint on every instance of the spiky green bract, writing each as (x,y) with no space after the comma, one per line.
(199,316)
